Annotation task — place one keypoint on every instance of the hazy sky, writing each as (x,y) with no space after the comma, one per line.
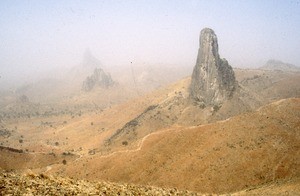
(43,35)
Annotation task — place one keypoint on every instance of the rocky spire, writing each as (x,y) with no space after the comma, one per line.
(213,80)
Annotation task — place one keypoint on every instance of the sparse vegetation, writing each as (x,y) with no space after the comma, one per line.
(5,133)
(67,153)
(92,152)
(216,108)
(52,153)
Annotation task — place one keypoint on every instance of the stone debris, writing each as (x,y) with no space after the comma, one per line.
(32,184)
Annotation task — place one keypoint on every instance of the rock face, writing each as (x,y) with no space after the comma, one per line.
(213,79)
(98,78)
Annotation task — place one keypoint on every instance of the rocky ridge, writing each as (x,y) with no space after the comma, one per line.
(213,79)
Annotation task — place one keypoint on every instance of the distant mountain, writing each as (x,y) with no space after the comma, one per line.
(279,65)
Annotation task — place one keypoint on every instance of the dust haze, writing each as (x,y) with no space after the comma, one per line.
(47,39)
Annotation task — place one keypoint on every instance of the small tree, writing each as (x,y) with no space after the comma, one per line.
(216,108)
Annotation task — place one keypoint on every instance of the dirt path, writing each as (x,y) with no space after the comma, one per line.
(140,145)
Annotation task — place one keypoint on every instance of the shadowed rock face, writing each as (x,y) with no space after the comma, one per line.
(213,79)
(99,78)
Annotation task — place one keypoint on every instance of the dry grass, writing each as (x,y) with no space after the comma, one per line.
(243,152)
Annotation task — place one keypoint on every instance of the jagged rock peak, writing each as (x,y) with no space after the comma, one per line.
(98,78)
(213,79)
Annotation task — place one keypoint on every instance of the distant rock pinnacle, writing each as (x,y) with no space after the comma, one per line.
(98,78)
(213,80)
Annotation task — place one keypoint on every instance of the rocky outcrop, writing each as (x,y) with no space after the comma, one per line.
(98,78)
(213,79)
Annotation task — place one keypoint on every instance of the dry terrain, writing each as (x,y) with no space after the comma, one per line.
(242,152)
(249,145)
(32,184)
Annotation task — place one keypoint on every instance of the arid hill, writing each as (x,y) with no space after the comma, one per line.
(242,152)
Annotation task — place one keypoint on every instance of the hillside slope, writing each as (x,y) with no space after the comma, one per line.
(287,187)
(255,89)
(242,152)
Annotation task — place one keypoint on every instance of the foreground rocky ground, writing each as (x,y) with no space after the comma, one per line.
(32,184)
